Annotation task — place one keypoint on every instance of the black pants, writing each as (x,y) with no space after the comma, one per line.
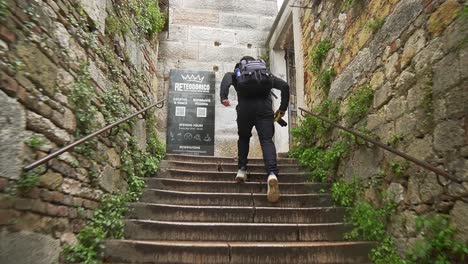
(247,118)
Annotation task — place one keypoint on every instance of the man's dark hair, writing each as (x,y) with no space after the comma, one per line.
(247,58)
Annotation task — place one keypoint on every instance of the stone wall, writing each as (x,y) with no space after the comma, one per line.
(50,52)
(413,55)
(211,35)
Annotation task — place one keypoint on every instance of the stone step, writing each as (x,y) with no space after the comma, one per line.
(233,199)
(232,186)
(226,167)
(235,214)
(209,159)
(196,231)
(297,177)
(189,252)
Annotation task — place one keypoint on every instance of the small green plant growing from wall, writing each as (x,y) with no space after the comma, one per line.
(438,243)
(325,80)
(82,98)
(399,168)
(319,53)
(107,221)
(144,14)
(35,142)
(375,25)
(359,103)
(29,180)
(395,140)
(345,193)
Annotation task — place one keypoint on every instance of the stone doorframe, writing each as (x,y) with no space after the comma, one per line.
(286,31)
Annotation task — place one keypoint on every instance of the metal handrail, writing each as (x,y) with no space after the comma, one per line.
(381,145)
(159,104)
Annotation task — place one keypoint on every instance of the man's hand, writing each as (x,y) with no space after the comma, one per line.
(226,102)
(279,113)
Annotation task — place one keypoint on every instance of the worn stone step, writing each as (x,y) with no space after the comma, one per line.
(233,199)
(209,159)
(189,252)
(196,231)
(226,167)
(297,177)
(232,186)
(235,214)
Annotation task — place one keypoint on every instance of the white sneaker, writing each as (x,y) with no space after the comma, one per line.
(241,175)
(273,193)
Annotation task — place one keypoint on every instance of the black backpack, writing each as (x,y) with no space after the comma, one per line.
(253,78)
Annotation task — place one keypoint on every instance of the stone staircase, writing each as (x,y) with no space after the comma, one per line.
(194,212)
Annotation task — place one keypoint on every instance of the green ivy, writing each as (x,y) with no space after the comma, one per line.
(144,14)
(319,53)
(312,129)
(359,103)
(369,223)
(321,162)
(29,180)
(115,107)
(438,244)
(386,253)
(82,97)
(345,193)
(325,80)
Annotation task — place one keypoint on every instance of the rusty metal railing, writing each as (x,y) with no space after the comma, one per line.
(159,104)
(416,161)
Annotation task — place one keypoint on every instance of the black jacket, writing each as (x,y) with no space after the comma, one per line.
(229,79)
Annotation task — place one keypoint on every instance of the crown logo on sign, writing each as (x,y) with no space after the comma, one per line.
(193,78)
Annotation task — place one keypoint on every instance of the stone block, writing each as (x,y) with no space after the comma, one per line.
(424,60)
(447,73)
(110,179)
(420,148)
(239,21)
(443,16)
(12,123)
(415,43)
(396,108)
(51,180)
(396,192)
(44,126)
(96,10)
(178,33)
(383,95)
(448,135)
(178,50)
(201,17)
(406,125)
(210,35)
(41,69)
(41,249)
(403,15)
(223,55)
(341,85)
(363,163)
(392,66)
(452,104)
(458,220)
(405,81)
(253,37)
